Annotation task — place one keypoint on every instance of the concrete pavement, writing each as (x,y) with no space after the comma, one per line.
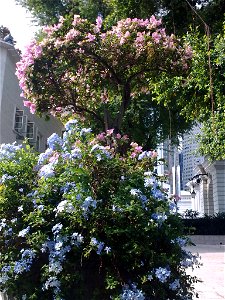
(212,272)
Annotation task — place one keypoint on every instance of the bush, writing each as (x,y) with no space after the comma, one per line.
(207,225)
(87,219)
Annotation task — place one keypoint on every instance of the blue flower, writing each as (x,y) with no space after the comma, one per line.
(8,151)
(70,124)
(52,282)
(54,141)
(5,177)
(56,228)
(132,293)
(85,131)
(47,171)
(44,156)
(162,274)
(175,285)
(24,232)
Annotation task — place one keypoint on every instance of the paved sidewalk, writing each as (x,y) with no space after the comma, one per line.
(212,272)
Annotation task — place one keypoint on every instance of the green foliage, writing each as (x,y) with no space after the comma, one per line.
(206,225)
(177,15)
(84,220)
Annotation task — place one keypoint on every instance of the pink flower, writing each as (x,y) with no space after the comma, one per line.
(133,154)
(138,149)
(134,145)
(101,136)
(155,22)
(33,108)
(156,37)
(90,37)
(27,103)
(154,154)
(99,22)
(118,136)
(110,131)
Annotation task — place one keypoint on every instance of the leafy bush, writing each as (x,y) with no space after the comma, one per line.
(88,219)
(207,225)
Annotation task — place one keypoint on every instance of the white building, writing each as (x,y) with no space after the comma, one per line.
(16,122)
(208,187)
(190,158)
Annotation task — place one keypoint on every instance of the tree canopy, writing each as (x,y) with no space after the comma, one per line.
(177,15)
(106,77)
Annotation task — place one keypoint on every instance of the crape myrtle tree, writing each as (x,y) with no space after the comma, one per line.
(107,78)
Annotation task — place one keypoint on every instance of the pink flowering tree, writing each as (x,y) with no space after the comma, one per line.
(102,77)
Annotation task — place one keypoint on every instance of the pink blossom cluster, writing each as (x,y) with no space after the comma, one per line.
(49,30)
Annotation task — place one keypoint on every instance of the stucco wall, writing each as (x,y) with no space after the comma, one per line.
(10,100)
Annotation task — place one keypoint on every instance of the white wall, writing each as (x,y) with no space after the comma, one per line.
(10,100)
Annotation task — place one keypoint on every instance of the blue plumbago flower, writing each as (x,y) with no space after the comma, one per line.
(138,193)
(40,207)
(24,232)
(20,208)
(54,141)
(100,247)
(132,293)
(107,249)
(44,156)
(8,151)
(162,274)
(135,192)
(180,241)
(4,278)
(190,259)
(52,282)
(21,266)
(8,232)
(88,202)
(14,220)
(159,218)
(47,171)
(71,124)
(56,228)
(147,154)
(175,285)
(2,224)
(173,207)
(101,150)
(65,206)
(76,239)
(68,187)
(24,297)
(5,177)
(85,131)
(28,255)
(157,193)
(76,153)
(94,241)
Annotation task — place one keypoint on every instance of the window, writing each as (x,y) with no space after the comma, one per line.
(19,120)
(30,131)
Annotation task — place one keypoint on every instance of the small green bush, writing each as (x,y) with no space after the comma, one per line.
(207,225)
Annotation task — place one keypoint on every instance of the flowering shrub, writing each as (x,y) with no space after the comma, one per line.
(88,219)
(80,68)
